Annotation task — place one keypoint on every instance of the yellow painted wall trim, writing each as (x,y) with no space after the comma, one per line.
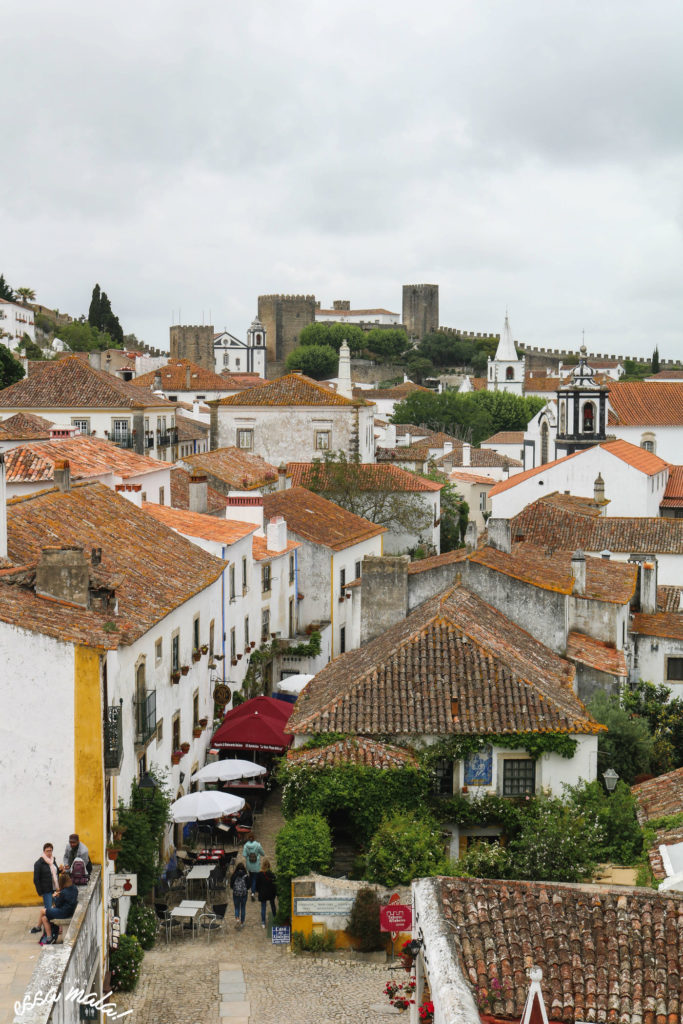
(17,890)
(88,753)
(331,607)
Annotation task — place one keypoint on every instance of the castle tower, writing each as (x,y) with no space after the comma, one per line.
(505,372)
(581,410)
(256,348)
(283,318)
(420,309)
(193,343)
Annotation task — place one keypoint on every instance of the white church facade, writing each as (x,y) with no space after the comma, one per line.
(234,356)
(505,372)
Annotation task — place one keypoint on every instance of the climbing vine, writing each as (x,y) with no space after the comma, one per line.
(459,748)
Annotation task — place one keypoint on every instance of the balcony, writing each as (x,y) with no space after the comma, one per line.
(113,738)
(169,437)
(124,441)
(149,440)
(145,717)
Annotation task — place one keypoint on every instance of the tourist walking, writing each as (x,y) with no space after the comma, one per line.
(239,883)
(266,889)
(252,852)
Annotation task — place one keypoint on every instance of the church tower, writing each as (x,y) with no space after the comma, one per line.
(581,410)
(505,372)
(256,348)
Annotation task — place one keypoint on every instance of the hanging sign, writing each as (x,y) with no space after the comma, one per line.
(395,918)
(221,693)
(123,885)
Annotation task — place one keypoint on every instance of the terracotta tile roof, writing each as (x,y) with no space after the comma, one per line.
(471,478)
(316,519)
(541,523)
(664,624)
(541,384)
(198,524)
(88,457)
(399,391)
(240,381)
(435,561)
(190,430)
(354,750)
(611,955)
(673,495)
(159,569)
(640,403)
(189,407)
(240,469)
(261,553)
(370,477)
(292,389)
(663,837)
(24,426)
(454,647)
(354,312)
(596,654)
(606,580)
(479,458)
(666,375)
(659,797)
(180,493)
(411,428)
(71,383)
(21,607)
(639,458)
(575,503)
(174,377)
(478,383)
(527,474)
(669,599)
(506,437)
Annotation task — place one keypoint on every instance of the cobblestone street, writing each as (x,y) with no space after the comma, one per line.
(179,983)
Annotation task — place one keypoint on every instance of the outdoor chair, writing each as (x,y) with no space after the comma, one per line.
(213,922)
(166,923)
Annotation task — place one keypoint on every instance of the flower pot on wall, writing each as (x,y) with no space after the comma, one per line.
(175,677)
(196,655)
(185,747)
(204,649)
(203,722)
(113,852)
(175,756)
(197,731)
(184,669)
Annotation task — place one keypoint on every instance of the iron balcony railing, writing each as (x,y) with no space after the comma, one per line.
(145,716)
(124,441)
(113,737)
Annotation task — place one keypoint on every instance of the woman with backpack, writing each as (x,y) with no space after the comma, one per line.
(265,887)
(239,883)
(252,852)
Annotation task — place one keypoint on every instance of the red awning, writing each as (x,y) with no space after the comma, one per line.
(257,724)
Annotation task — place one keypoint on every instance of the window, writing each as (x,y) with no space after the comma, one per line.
(225,359)
(176,732)
(245,439)
(233,643)
(244,576)
(322,440)
(588,418)
(563,417)
(647,442)
(195,710)
(265,579)
(175,653)
(674,669)
(482,501)
(358,569)
(83,426)
(121,428)
(195,634)
(291,568)
(212,636)
(158,651)
(161,496)
(509,373)
(144,496)
(342,582)
(160,730)
(342,640)
(544,442)
(246,632)
(231,577)
(443,777)
(265,624)
(519,777)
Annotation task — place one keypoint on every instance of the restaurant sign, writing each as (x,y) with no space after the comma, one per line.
(323,906)
(395,918)
(281,935)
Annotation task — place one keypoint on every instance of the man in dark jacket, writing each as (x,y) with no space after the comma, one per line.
(45,879)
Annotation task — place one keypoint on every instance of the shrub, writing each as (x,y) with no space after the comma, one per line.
(303,845)
(364,921)
(125,964)
(142,923)
(616,813)
(316,942)
(145,820)
(555,843)
(483,860)
(628,743)
(317,361)
(405,847)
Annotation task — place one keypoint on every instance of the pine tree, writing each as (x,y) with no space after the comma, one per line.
(95,310)
(5,290)
(655,360)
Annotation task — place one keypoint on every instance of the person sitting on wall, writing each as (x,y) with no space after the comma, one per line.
(45,880)
(63,905)
(75,848)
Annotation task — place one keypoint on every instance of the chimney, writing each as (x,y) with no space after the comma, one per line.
(447,447)
(384,593)
(455,708)
(187,378)
(195,408)
(132,493)
(599,489)
(344,387)
(282,477)
(471,535)
(198,492)
(390,436)
(648,587)
(62,473)
(63,574)
(466,457)
(3,509)
(499,535)
(276,534)
(579,572)
(606,554)
(95,360)
(156,383)
(245,509)
(96,556)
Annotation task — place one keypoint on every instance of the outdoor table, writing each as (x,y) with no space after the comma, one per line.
(209,855)
(190,909)
(201,872)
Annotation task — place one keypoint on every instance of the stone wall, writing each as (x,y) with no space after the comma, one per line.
(194,343)
(420,309)
(338,895)
(284,317)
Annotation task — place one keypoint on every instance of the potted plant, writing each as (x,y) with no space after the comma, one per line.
(204,648)
(219,657)
(239,657)
(184,669)
(113,851)
(175,756)
(197,731)
(185,747)
(196,655)
(203,722)
(175,676)
(118,830)
(212,665)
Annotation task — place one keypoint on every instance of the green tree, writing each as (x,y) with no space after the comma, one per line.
(483,860)
(364,921)
(5,290)
(10,369)
(101,317)
(145,821)
(472,416)
(405,847)
(30,349)
(662,712)
(386,342)
(615,812)
(26,295)
(81,336)
(417,367)
(454,512)
(654,365)
(627,746)
(344,481)
(303,845)
(555,843)
(333,335)
(95,309)
(317,361)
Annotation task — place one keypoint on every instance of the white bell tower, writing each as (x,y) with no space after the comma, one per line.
(256,348)
(505,372)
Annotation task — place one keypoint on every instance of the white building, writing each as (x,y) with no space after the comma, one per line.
(508,443)
(505,372)
(235,356)
(317,420)
(343,314)
(16,320)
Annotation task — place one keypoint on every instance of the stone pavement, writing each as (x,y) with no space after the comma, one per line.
(180,983)
(19,953)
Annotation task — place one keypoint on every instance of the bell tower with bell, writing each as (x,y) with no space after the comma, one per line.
(581,410)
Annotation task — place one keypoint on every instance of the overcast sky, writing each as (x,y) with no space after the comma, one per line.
(190,157)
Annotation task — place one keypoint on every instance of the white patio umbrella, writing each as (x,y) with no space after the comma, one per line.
(205,805)
(293,684)
(229,770)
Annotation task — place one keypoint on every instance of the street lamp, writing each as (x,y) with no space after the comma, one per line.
(611,778)
(147,782)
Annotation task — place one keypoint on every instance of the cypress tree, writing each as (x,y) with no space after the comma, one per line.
(655,360)
(5,290)
(95,310)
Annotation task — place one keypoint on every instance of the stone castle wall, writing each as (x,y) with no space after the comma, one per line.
(194,343)
(420,309)
(284,317)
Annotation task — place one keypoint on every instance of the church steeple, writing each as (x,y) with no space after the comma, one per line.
(581,409)
(506,371)
(506,351)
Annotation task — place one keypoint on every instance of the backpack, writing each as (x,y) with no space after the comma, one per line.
(252,857)
(79,874)
(240,885)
